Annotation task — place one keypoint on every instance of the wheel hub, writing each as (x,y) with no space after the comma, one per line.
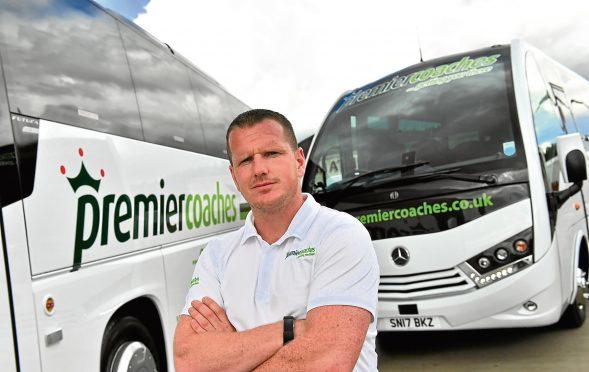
(133,356)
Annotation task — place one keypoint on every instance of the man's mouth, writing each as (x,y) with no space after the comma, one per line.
(262,184)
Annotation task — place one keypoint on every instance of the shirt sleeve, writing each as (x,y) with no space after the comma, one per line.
(205,279)
(346,270)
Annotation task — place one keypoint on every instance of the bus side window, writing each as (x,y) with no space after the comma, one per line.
(215,114)
(83,79)
(168,110)
(565,113)
(581,114)
(547,123)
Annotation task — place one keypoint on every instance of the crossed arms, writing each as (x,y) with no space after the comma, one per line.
(330,338)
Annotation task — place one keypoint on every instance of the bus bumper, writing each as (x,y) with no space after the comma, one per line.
(499,305)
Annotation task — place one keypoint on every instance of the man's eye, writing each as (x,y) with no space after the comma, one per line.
(245,161)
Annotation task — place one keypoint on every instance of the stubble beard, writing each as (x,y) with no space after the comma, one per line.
(273,206)
(276,205)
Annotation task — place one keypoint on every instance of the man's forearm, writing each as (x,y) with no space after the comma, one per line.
(330,339)
(305,354)
(212,351)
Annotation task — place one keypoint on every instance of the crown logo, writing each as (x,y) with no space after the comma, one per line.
(83,178)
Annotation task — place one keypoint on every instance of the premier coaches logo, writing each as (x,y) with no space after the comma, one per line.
(164,213)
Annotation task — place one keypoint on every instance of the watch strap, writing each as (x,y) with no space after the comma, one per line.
(288,332)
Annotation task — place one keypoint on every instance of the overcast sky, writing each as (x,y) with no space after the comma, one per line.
(298,56)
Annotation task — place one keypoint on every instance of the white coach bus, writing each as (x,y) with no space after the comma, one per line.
(469,173)
(113,177)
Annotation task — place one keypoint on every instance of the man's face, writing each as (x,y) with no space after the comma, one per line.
(265,169)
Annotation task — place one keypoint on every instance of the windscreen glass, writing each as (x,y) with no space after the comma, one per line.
(455,112)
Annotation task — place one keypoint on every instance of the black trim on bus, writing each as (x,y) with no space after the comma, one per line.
(409,275)
(449,276)
(10,190)
(26,137)
(9,291)
(422,289)
(382,218)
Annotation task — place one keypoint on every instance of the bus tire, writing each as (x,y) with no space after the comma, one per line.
(575,314)
(128,346)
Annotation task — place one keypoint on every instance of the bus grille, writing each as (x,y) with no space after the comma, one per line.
(433,283)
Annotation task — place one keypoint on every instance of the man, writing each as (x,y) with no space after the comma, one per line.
(292,258)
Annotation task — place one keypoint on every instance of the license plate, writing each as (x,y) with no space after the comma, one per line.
(416,322)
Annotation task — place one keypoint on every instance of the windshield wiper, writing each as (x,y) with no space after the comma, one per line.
(352,181)
(489,179)
(336,194)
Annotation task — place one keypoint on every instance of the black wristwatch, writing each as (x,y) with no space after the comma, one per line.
(288,332)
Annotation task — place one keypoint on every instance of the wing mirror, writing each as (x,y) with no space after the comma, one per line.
(572,157)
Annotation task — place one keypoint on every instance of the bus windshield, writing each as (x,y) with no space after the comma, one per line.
(453,113)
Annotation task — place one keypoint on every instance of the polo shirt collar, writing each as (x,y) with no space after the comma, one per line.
(249,228)
(298,226)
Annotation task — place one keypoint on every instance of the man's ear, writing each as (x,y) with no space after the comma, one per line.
(300,159)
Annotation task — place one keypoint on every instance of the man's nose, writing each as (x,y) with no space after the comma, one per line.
(260,165)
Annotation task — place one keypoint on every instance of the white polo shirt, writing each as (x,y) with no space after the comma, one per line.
(325,257)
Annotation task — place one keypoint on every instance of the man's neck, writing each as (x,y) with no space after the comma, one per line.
(271,225)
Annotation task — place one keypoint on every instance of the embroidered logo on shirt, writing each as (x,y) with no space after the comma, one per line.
(309,251)
(194,281)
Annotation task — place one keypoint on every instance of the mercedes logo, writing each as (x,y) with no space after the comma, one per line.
(394,195)
(400,256)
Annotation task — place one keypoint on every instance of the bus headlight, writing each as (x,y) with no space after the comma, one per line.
(501,260)
(520,246)
(501,254)
(484,262)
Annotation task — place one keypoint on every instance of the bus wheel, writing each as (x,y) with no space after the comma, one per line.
(128,346)
(574,315)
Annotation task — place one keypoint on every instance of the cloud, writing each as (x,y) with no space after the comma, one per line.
(97,80)
(128,8)
(297,57)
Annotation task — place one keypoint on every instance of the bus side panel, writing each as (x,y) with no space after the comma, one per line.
(7,357)
(576,90)
(570,220)
(570,223)
(86,299)
(102,210)
(98,196)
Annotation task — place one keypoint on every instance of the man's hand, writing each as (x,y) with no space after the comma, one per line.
(208,316)
(206,340)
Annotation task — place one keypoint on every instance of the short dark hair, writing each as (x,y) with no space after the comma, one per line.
(252,117)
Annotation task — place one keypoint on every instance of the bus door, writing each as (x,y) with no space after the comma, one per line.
(570,126)
(570,216)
